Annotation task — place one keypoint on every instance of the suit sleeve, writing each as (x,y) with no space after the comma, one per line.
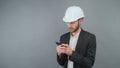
(63,58)
(88,60)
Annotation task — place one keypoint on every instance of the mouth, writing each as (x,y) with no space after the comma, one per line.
(71,29)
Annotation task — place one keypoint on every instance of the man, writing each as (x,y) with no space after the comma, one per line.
(78,47)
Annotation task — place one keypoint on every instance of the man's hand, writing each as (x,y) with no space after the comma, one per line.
(60,49)
(64,48)
(67,49)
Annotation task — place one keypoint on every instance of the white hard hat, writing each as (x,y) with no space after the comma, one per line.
(73,13)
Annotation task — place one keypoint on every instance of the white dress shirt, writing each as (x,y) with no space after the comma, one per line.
(72,44)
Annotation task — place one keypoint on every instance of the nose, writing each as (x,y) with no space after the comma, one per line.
(69,25)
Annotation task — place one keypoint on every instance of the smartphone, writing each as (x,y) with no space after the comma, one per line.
(58,43)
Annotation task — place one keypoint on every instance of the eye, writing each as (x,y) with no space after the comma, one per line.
(72,22)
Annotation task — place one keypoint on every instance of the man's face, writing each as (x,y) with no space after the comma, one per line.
(73,26)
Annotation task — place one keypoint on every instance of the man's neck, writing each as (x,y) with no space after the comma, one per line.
(74,33)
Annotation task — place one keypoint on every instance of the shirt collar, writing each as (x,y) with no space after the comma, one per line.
(76,35)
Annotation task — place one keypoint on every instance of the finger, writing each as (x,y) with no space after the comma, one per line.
(66,45)
(62,48)
(63,51)
(61,45)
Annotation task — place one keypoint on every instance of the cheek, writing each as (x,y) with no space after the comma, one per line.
(68,26)
(75,25)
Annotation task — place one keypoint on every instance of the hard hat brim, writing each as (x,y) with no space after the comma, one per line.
(71,20)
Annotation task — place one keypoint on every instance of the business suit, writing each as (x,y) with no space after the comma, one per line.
(84,54)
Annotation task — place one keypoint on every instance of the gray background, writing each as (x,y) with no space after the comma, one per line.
(29,28)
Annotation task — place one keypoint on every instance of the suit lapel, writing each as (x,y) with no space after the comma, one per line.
(79,42)
(68,38)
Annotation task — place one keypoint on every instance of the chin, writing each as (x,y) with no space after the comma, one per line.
(71,32)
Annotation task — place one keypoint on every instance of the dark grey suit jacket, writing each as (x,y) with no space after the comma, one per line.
(84,54)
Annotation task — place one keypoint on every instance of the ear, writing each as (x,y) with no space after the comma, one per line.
(80,20)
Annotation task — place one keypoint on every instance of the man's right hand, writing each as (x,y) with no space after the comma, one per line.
(60,49)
